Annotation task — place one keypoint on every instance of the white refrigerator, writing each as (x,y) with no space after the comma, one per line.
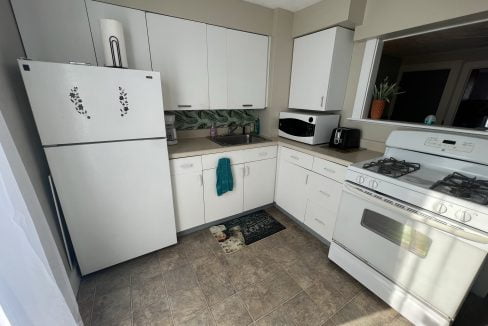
(104,136)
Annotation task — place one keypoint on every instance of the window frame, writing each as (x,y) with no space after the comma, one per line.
(367,77)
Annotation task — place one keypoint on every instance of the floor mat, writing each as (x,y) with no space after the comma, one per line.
(241,231)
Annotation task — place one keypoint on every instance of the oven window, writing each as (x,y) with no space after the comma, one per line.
(396,232)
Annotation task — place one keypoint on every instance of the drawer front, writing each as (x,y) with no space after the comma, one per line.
(329,169)
(296,157)
(325,191)
(210,161)
(320,220)
(260,153)
(186,165)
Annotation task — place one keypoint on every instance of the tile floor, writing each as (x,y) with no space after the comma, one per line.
(284,279)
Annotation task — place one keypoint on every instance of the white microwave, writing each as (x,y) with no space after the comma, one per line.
(311,129)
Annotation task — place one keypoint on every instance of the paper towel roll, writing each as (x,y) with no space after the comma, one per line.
(113,43)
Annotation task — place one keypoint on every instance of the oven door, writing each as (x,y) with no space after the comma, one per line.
(431,260)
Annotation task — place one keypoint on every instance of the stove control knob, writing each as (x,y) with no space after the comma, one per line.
(373,184)
(441,208)
(463,216)
(360,179)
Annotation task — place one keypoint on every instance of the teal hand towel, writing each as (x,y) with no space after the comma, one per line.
(225,182)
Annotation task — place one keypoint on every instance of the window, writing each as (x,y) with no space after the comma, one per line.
(436,78)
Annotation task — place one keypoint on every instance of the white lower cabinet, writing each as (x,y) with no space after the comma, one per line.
(291,189)
(187,182)
(259,181)
(188,200)
(307,188)
(310,197)
(230,203)
(323,201)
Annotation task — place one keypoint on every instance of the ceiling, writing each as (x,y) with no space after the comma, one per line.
(457,38)
(291,5)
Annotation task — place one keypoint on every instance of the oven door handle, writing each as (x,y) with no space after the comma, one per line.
(416,217)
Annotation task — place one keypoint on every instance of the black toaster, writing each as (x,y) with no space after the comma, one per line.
(345,138)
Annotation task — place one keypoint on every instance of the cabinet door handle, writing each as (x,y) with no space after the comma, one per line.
(248,168)
(330,170)
(316,219)
(322,102)
(201,180)
(306,180)
(243,171)
(324,193)
(247,105)
(184,105)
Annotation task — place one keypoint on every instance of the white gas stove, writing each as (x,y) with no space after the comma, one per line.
(413,224)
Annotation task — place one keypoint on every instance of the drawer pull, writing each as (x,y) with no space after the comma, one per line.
(295,157)
(330,170)
(247,105)
(187,165)
(263,154)
(184,105)
(324,193)
(316,219)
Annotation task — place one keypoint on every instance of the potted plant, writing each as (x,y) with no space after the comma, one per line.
(382,94)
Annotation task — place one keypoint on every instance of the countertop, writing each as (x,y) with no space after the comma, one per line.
(200,146)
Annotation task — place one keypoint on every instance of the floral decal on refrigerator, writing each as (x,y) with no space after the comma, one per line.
(75,98)
(123,101)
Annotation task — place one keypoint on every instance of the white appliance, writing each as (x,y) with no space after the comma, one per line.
(103,133)
(413,229)
(171,135)
(310,128)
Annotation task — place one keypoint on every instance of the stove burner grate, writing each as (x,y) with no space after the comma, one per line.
(392,167)
(461,186)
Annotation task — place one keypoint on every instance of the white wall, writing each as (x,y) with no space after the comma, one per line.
(328,13)
(33,170)
(279,72)
(391,17)
(235,14)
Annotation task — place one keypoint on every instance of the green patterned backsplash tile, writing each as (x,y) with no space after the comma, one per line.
(192,120)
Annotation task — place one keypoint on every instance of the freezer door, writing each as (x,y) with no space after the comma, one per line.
(116,198)
(81,104)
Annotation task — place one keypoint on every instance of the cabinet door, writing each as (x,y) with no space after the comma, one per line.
(323,202)
(188,200)
(247,70)
(217,67)
(259,181)
(55,30)
(179,53)
(230,203)
(135,33)
(291,189)
(312,60)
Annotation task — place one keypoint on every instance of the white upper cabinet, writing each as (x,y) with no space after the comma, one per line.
(247,70)
(55,30)
(320,70)
(237,69)
(135,32)
(179,52)
(217,67)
